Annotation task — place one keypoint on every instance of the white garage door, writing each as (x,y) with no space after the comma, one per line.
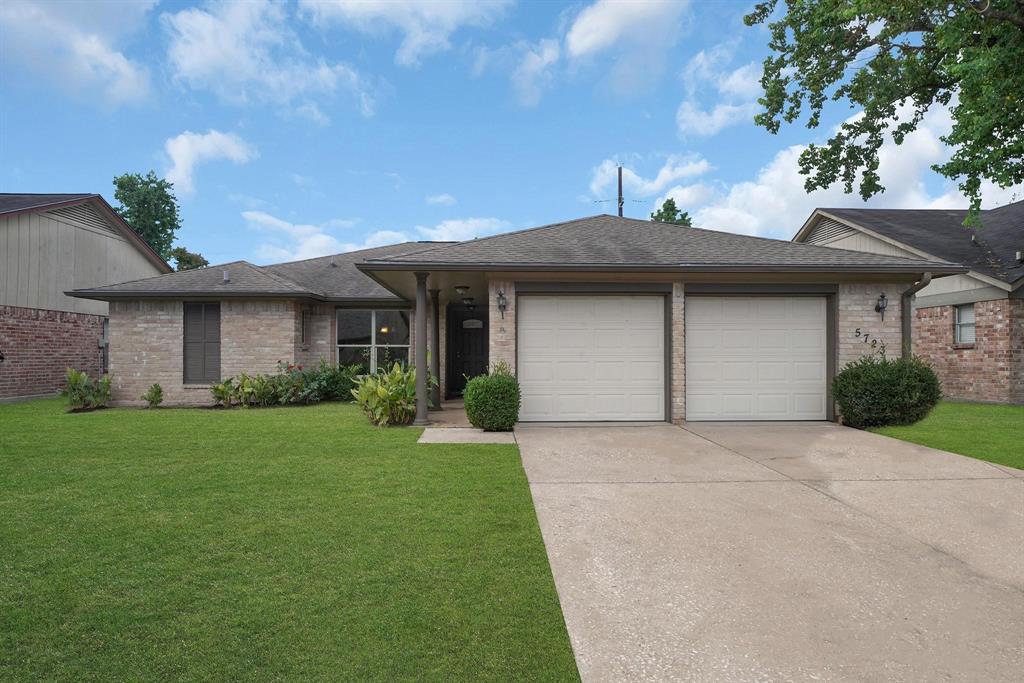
(757,358)
(591,357)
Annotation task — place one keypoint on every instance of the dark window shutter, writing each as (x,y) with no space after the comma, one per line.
(202,343)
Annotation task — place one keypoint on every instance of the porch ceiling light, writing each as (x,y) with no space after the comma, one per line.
(461,290)
(468,300)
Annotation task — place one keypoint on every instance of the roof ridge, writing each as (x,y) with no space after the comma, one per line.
(477,240)
(354,251)
(279,278)
(173,272)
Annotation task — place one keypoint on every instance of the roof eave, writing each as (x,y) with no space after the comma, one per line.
(100,295)
(934,268)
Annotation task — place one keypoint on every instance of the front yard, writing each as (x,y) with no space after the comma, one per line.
(983,431)
(291,543)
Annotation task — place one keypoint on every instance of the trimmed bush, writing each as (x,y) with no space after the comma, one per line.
(84,393)
(154,396)
(492,401)
(875,391)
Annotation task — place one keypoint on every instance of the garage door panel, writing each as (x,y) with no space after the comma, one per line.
(591,357)
(755,358)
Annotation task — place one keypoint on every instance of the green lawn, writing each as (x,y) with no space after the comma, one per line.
(290,543)
(987,432)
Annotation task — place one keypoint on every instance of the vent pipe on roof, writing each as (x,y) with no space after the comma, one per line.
(227,279)
(333,264)
(1020,256)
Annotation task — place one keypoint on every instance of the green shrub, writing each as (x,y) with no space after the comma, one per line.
(223,393)
(875,391)
(336,381)
(154,396)
(84,393)
(492,401)
(388,398)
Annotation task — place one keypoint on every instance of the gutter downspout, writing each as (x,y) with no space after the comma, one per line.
(906,312)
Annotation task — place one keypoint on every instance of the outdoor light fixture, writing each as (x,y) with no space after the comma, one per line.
(881,304)
(502,302)
(468,301)
(461,290)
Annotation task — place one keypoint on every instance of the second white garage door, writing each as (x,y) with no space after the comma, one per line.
(755,358)
(591,357)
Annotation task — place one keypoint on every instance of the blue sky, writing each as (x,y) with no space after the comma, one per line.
(295,129)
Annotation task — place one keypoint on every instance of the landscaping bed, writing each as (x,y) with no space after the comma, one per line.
(297,543)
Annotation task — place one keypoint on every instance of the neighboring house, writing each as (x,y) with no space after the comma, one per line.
(970,327)
(601,318)
(51,243)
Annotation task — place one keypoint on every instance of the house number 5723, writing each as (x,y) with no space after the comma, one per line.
(866,338)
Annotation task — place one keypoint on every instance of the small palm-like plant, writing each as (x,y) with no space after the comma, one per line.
(389,398)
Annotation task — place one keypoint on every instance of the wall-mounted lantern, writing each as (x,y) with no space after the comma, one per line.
(881,304)
(502,302)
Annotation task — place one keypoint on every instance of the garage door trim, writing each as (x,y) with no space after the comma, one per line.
(830,294)
(664,290)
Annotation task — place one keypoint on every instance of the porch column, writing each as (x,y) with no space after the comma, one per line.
(435,350)
(421,350)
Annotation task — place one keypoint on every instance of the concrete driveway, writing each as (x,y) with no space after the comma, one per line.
(794,551)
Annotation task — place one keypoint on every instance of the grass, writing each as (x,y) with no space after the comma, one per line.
(983,431)
(291,543)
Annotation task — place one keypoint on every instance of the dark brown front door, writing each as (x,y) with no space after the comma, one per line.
(467,346)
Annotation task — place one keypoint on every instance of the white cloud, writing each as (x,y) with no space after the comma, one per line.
(462,229)
(735,92)
(426,25)
(533,74)
(604,177)
(639,34)
(245,53)
(187,150)
(686,196)
(295,241)
(774,203)
(443,199)
(695,121)
(73,45)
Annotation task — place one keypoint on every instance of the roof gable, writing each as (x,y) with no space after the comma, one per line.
(940,233)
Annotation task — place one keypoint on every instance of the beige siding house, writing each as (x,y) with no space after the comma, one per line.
(50,244)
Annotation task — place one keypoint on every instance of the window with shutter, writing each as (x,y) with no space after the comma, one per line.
(202,343)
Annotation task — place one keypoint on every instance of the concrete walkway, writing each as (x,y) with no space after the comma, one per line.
(794,551)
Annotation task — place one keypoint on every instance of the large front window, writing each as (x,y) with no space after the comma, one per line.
(372,339)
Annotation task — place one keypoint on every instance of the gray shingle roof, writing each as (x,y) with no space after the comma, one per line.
(624,243)
(941,233)
(11,201)
(313,278)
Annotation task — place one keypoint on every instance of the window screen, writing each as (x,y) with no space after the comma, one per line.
(965,324)
(202,343)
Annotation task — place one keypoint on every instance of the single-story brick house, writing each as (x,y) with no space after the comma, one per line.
(970,327)
(50,243)
(601,318)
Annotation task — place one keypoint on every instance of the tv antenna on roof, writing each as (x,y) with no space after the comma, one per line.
(621,200)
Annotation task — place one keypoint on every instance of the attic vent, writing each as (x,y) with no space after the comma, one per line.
(226,278)
(83,214)
(828,230)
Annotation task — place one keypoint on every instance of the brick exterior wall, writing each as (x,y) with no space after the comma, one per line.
(322,342)
(146,345)
(502,333)
(856,310)
(678,369)
(39,345)
(991,370)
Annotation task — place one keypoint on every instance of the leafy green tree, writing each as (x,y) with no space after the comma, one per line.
(187,260)
(668,213)
(893,60)
(147,203)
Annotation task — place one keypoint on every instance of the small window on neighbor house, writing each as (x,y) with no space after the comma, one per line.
(965,324)
(307,327)
(202,343)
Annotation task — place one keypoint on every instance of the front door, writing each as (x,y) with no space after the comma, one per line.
(467,346)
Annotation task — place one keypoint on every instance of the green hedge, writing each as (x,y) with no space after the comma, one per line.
(492,401)
(876,391)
